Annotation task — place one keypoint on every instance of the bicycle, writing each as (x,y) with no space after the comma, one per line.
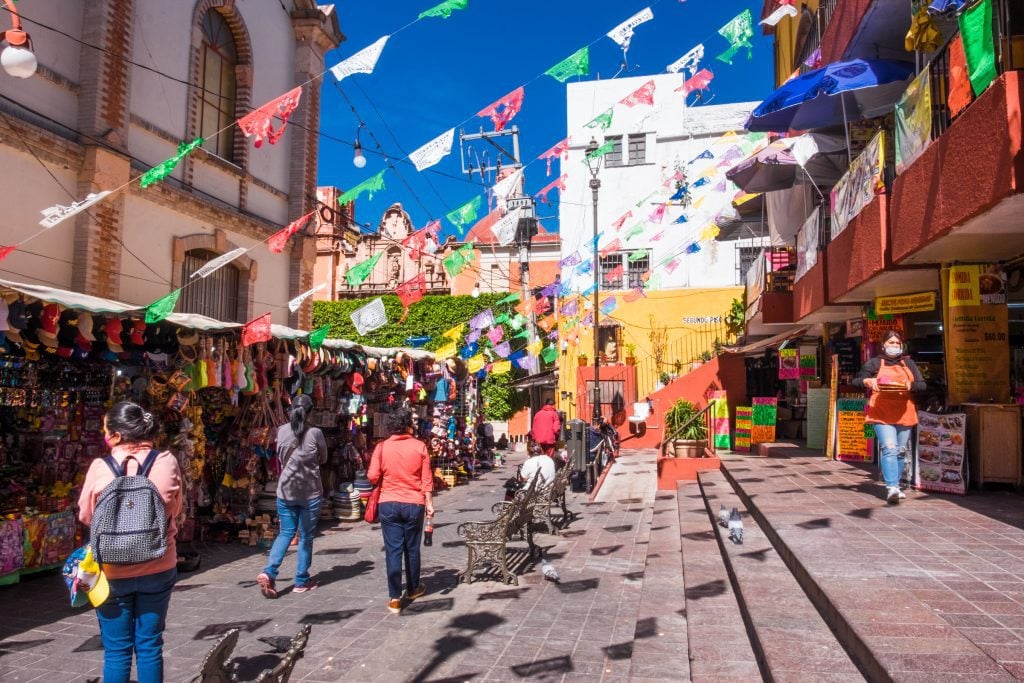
(604,452)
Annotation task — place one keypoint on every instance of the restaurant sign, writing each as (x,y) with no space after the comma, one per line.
(905,303)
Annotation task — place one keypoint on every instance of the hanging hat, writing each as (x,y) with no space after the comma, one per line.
(138,334)
(114,330)
(4,325)
(16,314)
(85,326)
(49,321)
(187,337)
(355,382)
(450,364)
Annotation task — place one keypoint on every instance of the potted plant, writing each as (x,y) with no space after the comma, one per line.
(663,380)
(689,443)
(582,359)
(630,354)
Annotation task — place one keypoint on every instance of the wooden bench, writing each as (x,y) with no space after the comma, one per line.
(547,496)
(486,542)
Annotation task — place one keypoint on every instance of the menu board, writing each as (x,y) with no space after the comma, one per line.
(744,424)
(977,330)
(853,436)
(720,418)
(789,364)
(765,415)
(817,416)
(808,361)
(940,452)
(848,352)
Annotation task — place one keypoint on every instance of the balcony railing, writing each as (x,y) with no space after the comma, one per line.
(819,22)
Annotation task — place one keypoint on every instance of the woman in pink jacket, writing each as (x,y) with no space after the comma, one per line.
(133,616)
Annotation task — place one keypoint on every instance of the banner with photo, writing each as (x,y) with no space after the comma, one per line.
(913,121)
(807,245)
(861,184)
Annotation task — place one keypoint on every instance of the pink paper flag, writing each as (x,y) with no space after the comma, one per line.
(258,123)
(642,95)
(279,239)
(560,150)
(622,219)
(699,81)
(509,106)
(496,334)
(657,214)
(557,183)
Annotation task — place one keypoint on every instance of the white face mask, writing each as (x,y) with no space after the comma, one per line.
(893,351)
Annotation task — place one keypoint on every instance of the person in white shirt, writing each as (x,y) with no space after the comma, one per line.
(539,462)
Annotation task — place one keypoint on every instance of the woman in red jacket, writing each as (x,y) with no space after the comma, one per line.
(400,465)
(546,427)
(890,378)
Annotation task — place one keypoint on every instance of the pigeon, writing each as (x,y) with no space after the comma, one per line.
(735,527)
(723,515)
(279,644)
(548,570)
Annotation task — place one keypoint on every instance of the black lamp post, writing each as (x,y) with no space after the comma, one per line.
(594,164)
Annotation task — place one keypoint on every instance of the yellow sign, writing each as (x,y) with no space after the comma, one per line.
(964,287)
(905,303)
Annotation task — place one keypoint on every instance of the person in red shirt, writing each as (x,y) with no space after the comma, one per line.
(546,428)
(400,465)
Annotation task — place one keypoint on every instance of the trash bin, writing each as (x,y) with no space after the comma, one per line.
(576,444)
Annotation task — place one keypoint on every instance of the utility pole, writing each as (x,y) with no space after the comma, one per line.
(517,199)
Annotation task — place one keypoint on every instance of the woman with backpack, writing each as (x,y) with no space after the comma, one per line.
(133,616)
(301,450)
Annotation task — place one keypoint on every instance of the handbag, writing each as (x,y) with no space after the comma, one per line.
(371,505)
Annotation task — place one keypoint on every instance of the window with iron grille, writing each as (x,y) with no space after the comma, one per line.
(609,263)
(216,295)
(636,269)
(624,274)
(637,149)
(747,257)
(217,85)
(614,157)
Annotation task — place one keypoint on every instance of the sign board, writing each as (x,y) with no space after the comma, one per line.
(940,452)
(744,425)
(905,303)
(789,364)
(720,418)
(854,438)
(833,393)
(817,416)
(765,415)
(977,335)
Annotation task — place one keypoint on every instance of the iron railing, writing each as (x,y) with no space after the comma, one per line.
(699,345)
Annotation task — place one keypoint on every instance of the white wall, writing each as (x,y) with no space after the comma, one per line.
(675,135)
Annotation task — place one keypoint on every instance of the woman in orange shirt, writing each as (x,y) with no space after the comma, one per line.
(400,465)
(132,619)
(890,378)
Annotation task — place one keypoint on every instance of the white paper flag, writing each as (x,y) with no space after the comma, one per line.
(219,262)
(690,61)
(504,187)
(362,62)
(432,152)
(505,229)
(623,33)
(294,304)
(370,317)
(785,9)
(58,214)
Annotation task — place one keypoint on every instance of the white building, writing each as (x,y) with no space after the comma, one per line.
(653,146)
(120,84)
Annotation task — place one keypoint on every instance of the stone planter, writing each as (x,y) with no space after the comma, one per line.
(687,448)
(673,470)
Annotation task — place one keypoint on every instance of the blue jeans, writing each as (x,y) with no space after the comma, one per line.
(132,620)
(892,443)
(401,524)
(302,516)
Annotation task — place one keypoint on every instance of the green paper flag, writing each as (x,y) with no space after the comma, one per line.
(464,214)
(604,121)
(162,307)
(317,336)
(549,354)
(371,185)
(600,151)
(635,230)
(499,319)
(518,321)
(524,334)
(637,255)
(165,168)
(358,273)
(456,261)
(445,9)
(738,32)
(511,298)
(976,29)
(576,64)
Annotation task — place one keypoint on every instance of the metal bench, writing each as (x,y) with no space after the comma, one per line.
(547,496)
(219,668)
(486,542)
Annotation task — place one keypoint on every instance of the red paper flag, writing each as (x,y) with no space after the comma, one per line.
(279,239)
(526,307)
(417,242)
(558,182)
(960,93)
(5,251)
(622,219)
(614,274)
(411,291)
(635,295)
(559,150)
(256,330)
(258,123)
(510,105)
(543,306)
(699,81)
(613,246)
(642,95)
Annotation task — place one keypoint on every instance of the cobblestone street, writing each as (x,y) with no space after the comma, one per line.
(581,629)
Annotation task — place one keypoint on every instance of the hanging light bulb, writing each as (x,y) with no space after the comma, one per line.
(17,58)
(358,160)
(476,291)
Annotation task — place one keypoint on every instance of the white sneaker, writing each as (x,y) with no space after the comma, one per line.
(893,495)
(902,495)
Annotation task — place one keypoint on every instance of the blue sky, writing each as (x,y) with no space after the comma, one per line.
(437,73)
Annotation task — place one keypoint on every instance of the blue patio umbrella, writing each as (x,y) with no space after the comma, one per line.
(833,95)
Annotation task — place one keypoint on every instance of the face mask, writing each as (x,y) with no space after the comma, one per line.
(893,351)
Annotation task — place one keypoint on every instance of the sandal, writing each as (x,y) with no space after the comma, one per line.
(266,585)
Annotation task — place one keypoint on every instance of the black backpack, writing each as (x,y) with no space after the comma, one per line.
(129,523)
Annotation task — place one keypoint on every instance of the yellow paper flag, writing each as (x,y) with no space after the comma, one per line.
(446,351)
(455,332)
(535,347)
(501,367)
(476,363)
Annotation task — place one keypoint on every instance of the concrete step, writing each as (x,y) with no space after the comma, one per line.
(659,639)
(885,578)
(719,647)
(787,632)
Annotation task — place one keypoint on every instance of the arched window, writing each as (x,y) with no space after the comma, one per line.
(218,58)
(216,295)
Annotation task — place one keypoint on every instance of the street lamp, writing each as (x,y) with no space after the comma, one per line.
(594,164)
(17,59)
